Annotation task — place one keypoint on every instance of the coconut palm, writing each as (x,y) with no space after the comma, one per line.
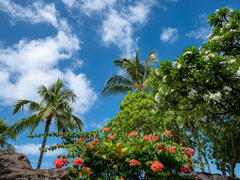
(135,71)
(5,134)
(53,106)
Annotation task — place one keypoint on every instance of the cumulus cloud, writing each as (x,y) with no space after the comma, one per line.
(200,34)
(38,12)
(203,28)
(33,149)
(26,65)
(119,26)
(169,35)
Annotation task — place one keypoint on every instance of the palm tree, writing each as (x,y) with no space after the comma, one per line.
(53,106)
(6,133)
(136,72)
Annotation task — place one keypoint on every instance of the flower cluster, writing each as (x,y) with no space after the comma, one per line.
(134,133)
(205,97)
(85,168)
(156,166)
(161,90)
(164,78)
(227,88)
(133,161)
(216,96)
(228,25)
(156,71)
(167,132)
(207,57)
(78,161)
(232,61)
(232,30)
(175,63)
(187,52)
(215,38)
(106,129)
(59,163)
(192,92)
(185,168)
(156,98)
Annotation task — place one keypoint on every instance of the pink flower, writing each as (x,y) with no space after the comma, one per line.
(90,144)
(95,139)
(160,148)
(172,150)
(110,137)
(156,166)
(85,138)
(59,163)
(147,138)
(132,133)
(106,129)
(167,132)
(78,161)
(60,136)
(154,137)
(133,161)
(185,168)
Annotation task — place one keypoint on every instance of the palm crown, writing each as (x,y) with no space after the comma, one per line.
(5,134)
(136,72)
(53,106)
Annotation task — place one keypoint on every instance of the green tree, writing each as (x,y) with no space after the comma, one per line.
(5,134)
(53,106)
(207,81)
(135,71)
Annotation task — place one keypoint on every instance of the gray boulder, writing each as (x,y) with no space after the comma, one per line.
(16,166)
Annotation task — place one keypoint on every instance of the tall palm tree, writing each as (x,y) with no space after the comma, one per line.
(135,71)
(53,106)
(5,134)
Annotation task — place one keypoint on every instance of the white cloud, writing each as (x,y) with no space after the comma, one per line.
(28,64)
(200,34)
(169,35)
(172,0)
(33,149)
(204,29)
(37,13)
(99,125)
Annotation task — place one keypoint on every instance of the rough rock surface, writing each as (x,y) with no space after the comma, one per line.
(16,166)
(206,176)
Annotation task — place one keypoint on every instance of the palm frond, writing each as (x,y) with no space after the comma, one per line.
(59,86)
(79,123)
(115,89)
(46,97)
(116,79)
(34,107)
(20,104)
(21,125)
(67,95)
(5,144)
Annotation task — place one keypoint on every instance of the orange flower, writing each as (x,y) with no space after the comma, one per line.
(60,144)
(80,135)
(97,154)
(68,167)
(122,179)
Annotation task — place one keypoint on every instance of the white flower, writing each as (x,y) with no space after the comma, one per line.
(238,72)
(200,47)
(228,25)
(184,79)
(207,51)
(192,92)
(223,62)
(161,90)
(227,88)
(156,98)
(221,30)
(175,63)
(153,56)
(207,58)
(211,55)
(153,111)
(164,78)
(205,97)
(200,52)
(209,36)
(233,30)
(187,52)
(230,10)
(179,66)
(172,90)
(217,10)
(156,71)
(228,68)
(232,61)
(215,38)
(227,93)
(216,96)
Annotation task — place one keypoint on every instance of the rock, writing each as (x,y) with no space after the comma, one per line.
(205,176)
(16,166)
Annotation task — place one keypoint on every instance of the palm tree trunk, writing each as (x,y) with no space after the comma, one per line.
(48,123)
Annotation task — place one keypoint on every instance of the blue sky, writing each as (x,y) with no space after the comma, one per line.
(77,40)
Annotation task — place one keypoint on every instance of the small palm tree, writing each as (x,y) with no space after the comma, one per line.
(5,134)
(136,72)
(53,106)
